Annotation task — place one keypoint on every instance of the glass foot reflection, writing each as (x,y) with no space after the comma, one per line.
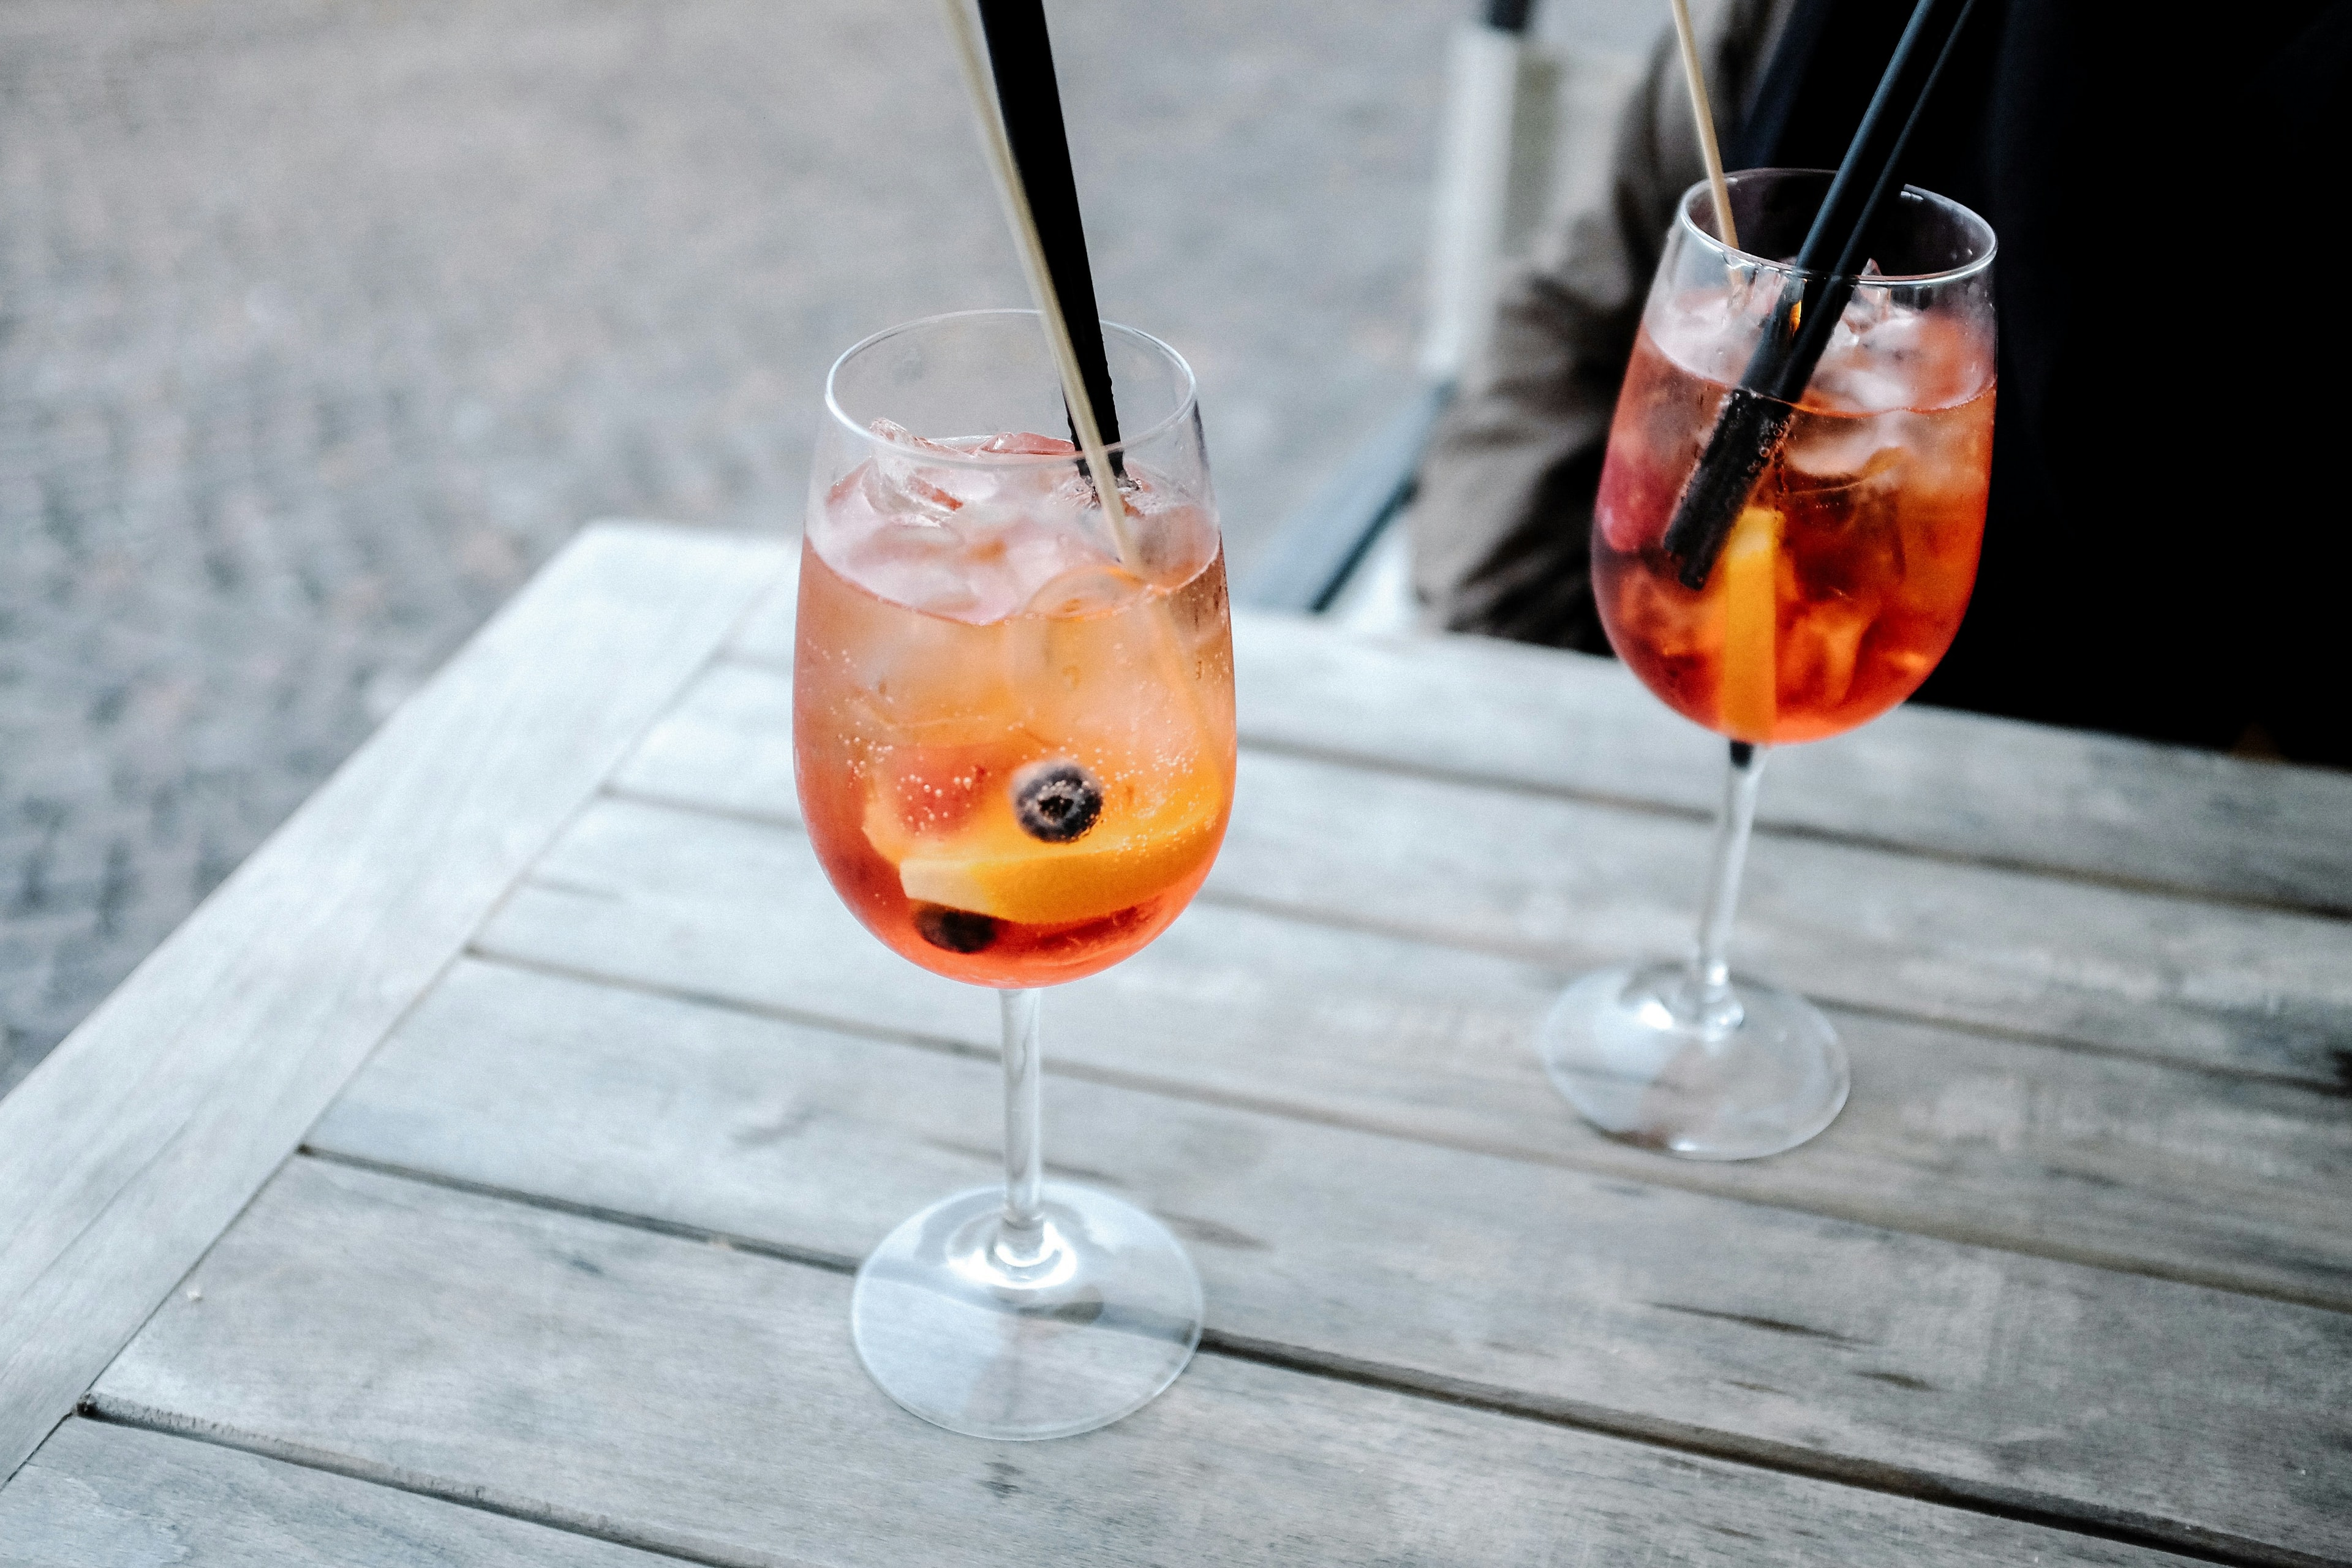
(1760,1076)
(1003,1336)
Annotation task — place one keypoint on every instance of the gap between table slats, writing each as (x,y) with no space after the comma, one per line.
(2189,1171)
(126,1152)
(412,1341)
(1853,1353)
(1573,884)
(1992,791)
(99,1495)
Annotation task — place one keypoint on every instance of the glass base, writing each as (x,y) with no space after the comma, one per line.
(1760,1076)
(1093,1329)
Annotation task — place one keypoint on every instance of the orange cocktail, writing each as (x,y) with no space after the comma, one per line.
(1847,573)
(1013,725)
(1015,754)
(1831,533)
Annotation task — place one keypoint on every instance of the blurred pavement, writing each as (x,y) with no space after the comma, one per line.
(322,325)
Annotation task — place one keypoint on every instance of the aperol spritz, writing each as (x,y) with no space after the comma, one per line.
(1847,573)
(1014,731)
(1840,584)
(1016,752)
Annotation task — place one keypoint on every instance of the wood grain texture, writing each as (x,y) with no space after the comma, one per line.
(1920,778)
(1574,884)
(765,636)
(705,1400)
(1923,778)
(96,1496)
(125,1153)
(2157,976)
(2180,1173)
(2199,1417)
(725,746)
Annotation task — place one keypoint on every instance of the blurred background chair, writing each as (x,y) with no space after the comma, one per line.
(1529,102)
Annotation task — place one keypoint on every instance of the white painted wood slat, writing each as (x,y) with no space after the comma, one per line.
(124,1154)
(1922,778)
(705,1400)
(1319,1077)
(2199,1416)
(1919,778)
(1575,884)
(2157,976)
(96,1496)
(2066,1154)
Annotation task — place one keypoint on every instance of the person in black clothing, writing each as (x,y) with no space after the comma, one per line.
(2161,550)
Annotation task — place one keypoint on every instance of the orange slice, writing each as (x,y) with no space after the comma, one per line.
(1750,570)
(1138,847)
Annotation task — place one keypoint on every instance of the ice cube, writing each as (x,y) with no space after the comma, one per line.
(982,542)
(898,434)
(1090,588)
(1820,647)
(1710,333)
(1175,538)
(1028,444)
(915,563)
(1836,450)
(907,496)
(1895,335)
(1873,363)
(903,486)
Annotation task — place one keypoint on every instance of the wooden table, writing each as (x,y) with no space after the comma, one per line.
(475,1177)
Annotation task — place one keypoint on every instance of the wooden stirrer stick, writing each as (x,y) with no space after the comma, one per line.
(1041,279)
(1701,112)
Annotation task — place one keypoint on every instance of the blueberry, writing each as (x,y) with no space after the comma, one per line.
(958,930)
(1056,802)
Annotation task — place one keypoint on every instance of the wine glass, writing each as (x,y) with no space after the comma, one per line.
(1015,758)
(1839,587)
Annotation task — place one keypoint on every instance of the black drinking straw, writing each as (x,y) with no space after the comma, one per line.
(1754,415)
(1029,100)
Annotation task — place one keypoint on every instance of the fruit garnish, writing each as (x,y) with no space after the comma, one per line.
(1750,574)
(958,930)
(1055,803)
(1138,846)
(925,791)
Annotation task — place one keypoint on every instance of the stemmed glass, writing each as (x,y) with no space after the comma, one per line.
(1842,585)
(1015,757)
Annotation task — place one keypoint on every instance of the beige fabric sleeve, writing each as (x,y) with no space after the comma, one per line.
(1501,520)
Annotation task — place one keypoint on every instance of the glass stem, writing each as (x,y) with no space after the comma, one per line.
(1708,997)
(1021,1242)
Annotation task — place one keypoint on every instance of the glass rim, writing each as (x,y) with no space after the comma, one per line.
(1125,444)
(1685,217)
